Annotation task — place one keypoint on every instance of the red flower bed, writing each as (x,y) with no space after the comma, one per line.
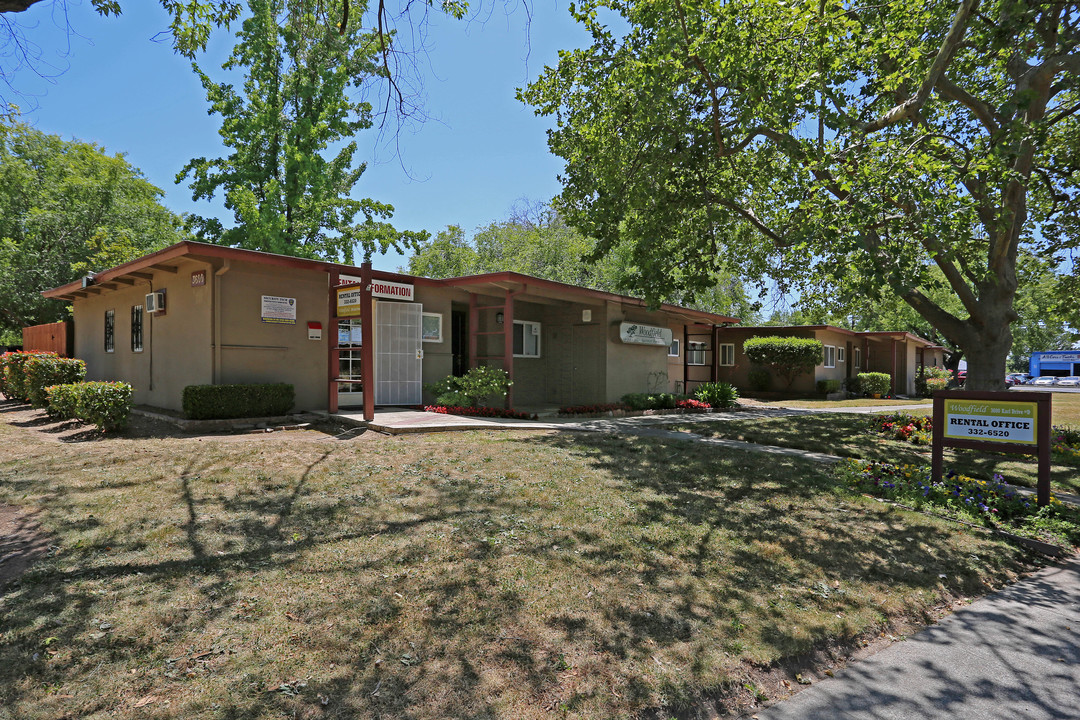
(692,404)
(479,412)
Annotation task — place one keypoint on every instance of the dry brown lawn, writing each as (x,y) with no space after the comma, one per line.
(459,575)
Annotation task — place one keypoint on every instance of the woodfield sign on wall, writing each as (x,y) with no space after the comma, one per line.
(1009,422)
(637,334)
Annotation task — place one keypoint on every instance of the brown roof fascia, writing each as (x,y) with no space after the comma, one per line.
(199,250)
(898,335)
(513,277)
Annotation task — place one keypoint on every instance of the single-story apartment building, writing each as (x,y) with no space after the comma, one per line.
(846,354)
(342,335)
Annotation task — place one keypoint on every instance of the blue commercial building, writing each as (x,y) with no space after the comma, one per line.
(1055,362)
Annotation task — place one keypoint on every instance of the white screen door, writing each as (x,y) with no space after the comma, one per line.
(398,356)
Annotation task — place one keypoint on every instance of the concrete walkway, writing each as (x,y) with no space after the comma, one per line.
(1013,655)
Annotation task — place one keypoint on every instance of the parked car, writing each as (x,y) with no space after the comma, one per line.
(1070,381)
(961,376)
(1045,380)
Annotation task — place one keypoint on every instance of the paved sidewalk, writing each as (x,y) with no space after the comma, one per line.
(1013,655)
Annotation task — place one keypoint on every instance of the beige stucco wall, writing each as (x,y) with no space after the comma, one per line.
(176,346)
(253,351)
(438,358)
(635,368)
(840,372)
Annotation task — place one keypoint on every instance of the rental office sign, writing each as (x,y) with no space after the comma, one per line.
(1007,422)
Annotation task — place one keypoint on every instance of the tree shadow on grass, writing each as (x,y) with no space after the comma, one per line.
(452,590)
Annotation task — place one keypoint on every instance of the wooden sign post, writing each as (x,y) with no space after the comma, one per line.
(995,421)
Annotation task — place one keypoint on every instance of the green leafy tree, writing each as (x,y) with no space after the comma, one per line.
(536,241)
(852,147)
(291,171)
(67,207)
(787,357)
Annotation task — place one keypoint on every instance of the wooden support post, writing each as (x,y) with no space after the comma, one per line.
(367,341)
(474,328)
(333,354)
(508,346)
(685,357)
(894,368)
(715,353)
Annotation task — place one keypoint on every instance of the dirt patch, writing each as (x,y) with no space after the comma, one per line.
(22,542)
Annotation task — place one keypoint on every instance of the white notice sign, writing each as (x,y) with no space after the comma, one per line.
(278,310)
(636,334)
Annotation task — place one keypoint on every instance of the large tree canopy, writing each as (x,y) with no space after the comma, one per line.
(911,148)
(66,207)
(290,175)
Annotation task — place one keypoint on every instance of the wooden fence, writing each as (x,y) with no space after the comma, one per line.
(53,337)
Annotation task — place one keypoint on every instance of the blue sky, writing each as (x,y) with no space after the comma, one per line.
(480,151)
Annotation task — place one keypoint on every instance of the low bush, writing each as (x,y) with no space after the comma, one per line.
(759,379)
(63,401)
(829,386)
(875,383)
(45,370)
(13,373)
(692,404)
(479,411)
(717,394)
(217,402)
(929,379)
(592,409)
(471,389)
(654,401)
(105,404)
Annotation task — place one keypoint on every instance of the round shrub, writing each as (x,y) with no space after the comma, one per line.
(45,370)
(759,379)
(875,383)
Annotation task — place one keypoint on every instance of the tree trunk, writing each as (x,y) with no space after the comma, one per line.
(987,348)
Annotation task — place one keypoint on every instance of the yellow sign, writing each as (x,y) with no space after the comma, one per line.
(348,301)
(991,420)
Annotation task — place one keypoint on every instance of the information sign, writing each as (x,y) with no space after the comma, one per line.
(278,310)
(993,421)
(1008,422)
(349,301)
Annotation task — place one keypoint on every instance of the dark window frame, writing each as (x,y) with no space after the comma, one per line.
(136,328)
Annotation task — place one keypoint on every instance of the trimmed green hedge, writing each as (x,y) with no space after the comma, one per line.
(104,404)
(217,402)
(787,357)
(829,386)
(875,383)
(44,371)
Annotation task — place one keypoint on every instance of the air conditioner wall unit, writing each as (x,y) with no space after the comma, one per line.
(155,302)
